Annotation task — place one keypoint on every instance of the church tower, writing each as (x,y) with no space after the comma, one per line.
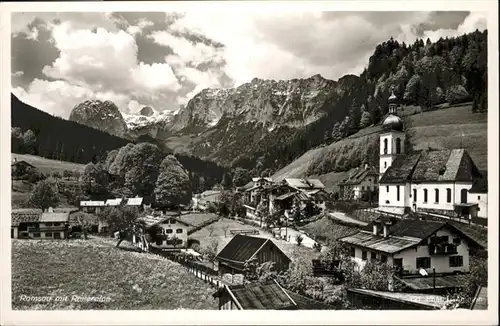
(392,139)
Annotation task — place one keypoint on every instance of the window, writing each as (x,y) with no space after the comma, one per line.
(352,252)
(178,231)
(169,231)
(364,255)
(385,164)
(478,197)
(56,224)
(178,241)
(159,242)
(456,241)
(425,195)
(57,235)
(397,193)
(170,242)
(385,146)
(448,195)
(48,234)
(436,195)
(36,235)
(172,221)
(373,256)
(398,145)
(463,196)
(423,262)
(386,188)
(456,261)
(362,188)
(414,195)
(48,224)
(383,258)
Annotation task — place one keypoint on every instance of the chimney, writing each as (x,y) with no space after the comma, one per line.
(375,228)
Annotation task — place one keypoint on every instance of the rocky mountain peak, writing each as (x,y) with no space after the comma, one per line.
(147,111)
(102,115)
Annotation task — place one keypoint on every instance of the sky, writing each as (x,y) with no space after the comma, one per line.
(163,59)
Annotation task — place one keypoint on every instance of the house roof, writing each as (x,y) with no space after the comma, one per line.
(23,162)
(256,296)
(285,196)
(305,303)
(54,217)
(241,248)
(391,244)
(265,179)
(137,201)
(150,220)
(426,282)
(429,300)
(91,203)
(480,186)
(305,183)
(358,175)
(113,202)
(432,166)
(253,188)
(24,215)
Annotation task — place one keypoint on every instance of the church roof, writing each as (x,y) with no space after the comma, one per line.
(432,166)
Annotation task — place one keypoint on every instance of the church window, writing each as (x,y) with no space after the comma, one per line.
(398,145)
(414,195)
(385,146)
(448,195)
(463,196)
(397,193)
(436,193)
(425,195)
(387,188)
(385,164)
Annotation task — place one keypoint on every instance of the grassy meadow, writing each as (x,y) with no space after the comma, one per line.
(92,268)
(47,166)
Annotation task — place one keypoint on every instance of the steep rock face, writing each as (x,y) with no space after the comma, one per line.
(147,111)
(152,125)
(100,115)
(239,125)
(270,103)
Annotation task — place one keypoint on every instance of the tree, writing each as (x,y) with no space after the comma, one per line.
(43,196)
(29,141)
(225,228)
(241,177)
(227,182)
(173,187)
(67,174)
(95,180)
(118,167)
(211,251)
(366,119)
(85,221)
(56,175)
(456,94)
(16,140)
(110,159)
(469,283)
(120,219)
(142,164)
(299,238)
(210,230)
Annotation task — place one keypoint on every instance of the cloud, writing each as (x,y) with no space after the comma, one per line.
(163,59)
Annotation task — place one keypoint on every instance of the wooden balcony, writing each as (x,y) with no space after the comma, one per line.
(47,229)
(442,249)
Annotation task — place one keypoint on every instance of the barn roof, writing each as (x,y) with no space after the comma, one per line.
(22,162)
(150,220)
(113,202)
(241,248)
(259,178)
(137,201)
(432,166)
(24,215)
(358,175)
(256,296)
(304,183)
(54,217)
(390,244)
(91,203)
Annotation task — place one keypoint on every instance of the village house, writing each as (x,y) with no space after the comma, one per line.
(19,168)
(171,232)
(435,181)
(416,248)
(205,199)
(360,184)
(35,224)
(92,206)
(243,248)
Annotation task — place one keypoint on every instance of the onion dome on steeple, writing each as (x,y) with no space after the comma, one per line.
(392,121)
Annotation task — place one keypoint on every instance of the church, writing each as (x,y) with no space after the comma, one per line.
(433,181)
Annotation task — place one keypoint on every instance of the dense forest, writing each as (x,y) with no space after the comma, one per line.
(424,74)
(39,133)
